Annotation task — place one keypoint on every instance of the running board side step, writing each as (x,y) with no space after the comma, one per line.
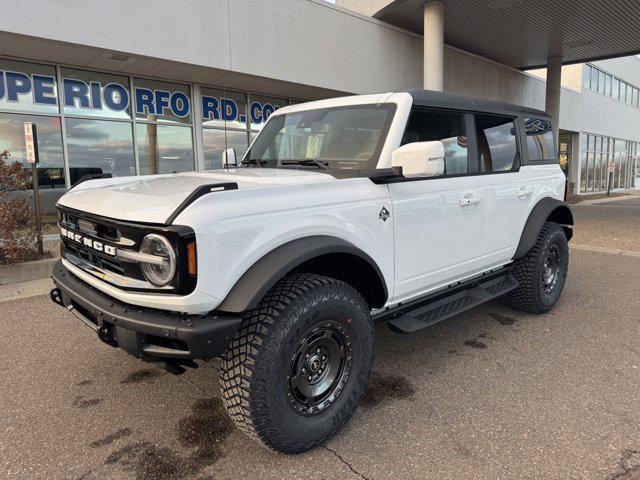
(448,305)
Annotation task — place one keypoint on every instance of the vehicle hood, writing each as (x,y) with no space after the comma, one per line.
(153,198)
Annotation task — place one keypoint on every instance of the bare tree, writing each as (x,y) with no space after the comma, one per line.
(18,239)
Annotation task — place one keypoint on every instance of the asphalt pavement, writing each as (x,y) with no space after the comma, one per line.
(492,393)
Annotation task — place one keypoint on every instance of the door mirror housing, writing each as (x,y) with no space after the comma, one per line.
(229,158)
(420,159)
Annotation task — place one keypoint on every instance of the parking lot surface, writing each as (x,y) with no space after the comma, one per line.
(493,393)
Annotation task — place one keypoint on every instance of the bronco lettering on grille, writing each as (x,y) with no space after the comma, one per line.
(89,242)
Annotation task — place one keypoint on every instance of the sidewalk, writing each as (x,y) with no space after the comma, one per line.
(605,199)
(34,270)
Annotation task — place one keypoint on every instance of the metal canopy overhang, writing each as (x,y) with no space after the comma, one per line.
(525,33)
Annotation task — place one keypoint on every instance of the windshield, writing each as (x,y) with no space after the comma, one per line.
(341,138)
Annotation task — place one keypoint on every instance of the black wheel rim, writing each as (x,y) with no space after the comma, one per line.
(319,368)
(551,269)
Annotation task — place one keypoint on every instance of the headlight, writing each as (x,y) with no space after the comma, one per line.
(159,275)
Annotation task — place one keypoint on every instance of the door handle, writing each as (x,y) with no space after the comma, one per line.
(470,199)
(524,191)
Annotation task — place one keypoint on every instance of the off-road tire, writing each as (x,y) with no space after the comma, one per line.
(254,372)
(531,295)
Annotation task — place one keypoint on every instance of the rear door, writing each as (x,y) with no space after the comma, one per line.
(507,189)
(513,188)
(439,221)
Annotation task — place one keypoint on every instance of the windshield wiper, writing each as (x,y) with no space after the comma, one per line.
(308,161)
(255,161)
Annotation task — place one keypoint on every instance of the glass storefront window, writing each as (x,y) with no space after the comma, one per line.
(164,148)
(99,146)
(586,76)
(239,142)
(105,114)
(597,172)
(596,154)
(96,94)
(222,108)
(28,87)
(261,108)
(594,79)
(216,141)
(583,172)
(601,81)
(161,102)
(214,144)
(623,91)
(51,176)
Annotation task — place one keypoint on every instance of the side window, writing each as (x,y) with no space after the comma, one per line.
(450,128)
(540,144)
(497,143)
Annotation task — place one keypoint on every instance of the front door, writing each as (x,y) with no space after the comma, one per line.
(438,222)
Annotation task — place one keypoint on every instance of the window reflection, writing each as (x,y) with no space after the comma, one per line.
(497,146)
(540,144)
(216,141)
(51,179)
(152,101)
(261,108)
(99,146)
(448,128)
(20,75)
(102,92)
(223,108)
(164,148)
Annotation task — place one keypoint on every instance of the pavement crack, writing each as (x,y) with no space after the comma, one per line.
(85,475)
(197,385)
(342,460)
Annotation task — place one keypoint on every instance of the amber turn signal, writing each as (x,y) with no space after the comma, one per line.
(192,259)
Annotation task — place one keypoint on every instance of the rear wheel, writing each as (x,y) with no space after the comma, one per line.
(542,272)
(297,368)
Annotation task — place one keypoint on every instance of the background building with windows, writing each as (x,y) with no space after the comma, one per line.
(111,92)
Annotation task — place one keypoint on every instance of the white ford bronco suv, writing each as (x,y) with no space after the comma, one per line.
(406,208)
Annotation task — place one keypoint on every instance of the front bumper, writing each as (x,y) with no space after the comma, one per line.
(149,334)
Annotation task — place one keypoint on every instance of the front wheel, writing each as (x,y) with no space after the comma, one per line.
(542,272)
(297,368)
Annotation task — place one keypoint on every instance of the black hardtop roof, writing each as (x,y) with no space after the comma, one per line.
(430,98)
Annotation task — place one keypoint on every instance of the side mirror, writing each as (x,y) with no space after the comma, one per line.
(420,159)
(229,158)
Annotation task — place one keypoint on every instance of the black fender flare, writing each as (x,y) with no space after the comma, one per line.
(253,285)
(546,209)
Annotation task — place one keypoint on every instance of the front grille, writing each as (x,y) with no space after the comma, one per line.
(120,236)
(108,232)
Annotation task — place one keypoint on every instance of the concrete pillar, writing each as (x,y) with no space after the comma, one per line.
(433,45)
(552,103)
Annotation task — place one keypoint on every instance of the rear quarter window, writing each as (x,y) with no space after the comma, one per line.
(540,144)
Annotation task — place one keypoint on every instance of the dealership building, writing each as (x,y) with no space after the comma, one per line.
(132,88)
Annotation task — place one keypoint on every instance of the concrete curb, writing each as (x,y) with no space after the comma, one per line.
(606,200)
(24,272)
(612,251)
(16,291)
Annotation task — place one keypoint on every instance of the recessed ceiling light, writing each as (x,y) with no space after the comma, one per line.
(116,57)
(119,58)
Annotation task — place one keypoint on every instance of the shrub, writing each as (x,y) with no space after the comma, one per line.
(18,239)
